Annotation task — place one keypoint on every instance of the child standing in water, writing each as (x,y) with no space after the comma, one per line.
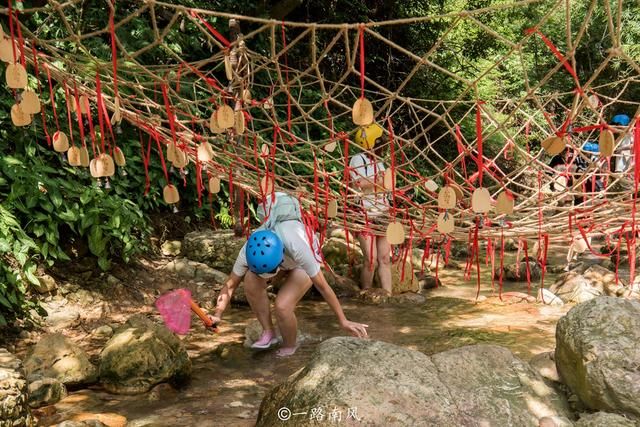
(281,244)
(367,174)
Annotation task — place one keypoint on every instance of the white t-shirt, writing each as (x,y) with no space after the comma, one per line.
(624,154)
(362,166)
(297,252)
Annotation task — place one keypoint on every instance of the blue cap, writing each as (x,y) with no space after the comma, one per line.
(591,146)
(620,119)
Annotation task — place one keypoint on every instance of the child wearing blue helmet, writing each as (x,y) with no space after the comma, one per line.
(280,244)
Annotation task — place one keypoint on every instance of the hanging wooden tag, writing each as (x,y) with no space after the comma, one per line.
(225,117)
(267,104)
(30,102)
(264,150)
(431,185)
(6,51)
(445,223)
(105,165)
(205,152)
(118,157)
(170,194)
(388,180)
(330,147)
(84,157)
(246,96)
(481,200)
(504,204)
(214,127)
(73,156)
(16,76)
(395,233)
(181,159)
(266,185)
(447,198)
(228,69)
(84,104)
(362,113)
(594,101)
(239,123)
(554,145)
(606,143)
(171,152)
(332,208)
(60,142)
(19,117)
(214,185)
(93,169)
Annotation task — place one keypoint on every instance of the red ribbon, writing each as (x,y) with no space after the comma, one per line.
(361,34)
(479,138)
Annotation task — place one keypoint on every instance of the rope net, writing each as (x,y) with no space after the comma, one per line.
(278,116)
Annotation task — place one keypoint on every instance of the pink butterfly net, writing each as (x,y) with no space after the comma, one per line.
(175,308)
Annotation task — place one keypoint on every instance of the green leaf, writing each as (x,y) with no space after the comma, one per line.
(85,197)
(68,216)
(38,230)
(97,243)
(104,263)
(31,277)
(4,246)
(5,302)
(56,197)
(45,249)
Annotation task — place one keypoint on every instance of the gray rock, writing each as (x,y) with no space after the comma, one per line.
(61,316)
(336,252)
(46,391)
(604,279)
(14,408)
(390,385)
(46,284)
(343,287)
(518,272)
(140,355)
(102,332)
(545,296)
(55,356)
(408,298)
(575,287)
(181,267)
(545,365)
(171,248)
(597,354)
(604,419)
(555,422)
(217,249)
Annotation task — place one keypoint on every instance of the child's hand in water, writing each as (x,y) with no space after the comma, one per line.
(215,320)
(356,329)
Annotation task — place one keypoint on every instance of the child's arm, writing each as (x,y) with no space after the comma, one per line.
(225,296)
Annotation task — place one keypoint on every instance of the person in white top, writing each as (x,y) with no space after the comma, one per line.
(283,246)
(367,176)
(623,153)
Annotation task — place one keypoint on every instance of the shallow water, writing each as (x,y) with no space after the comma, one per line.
(229,381)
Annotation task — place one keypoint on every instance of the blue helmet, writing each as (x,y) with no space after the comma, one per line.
(264,251)
(591,146)
(621,120)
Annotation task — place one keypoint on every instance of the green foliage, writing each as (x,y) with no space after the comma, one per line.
(16,267)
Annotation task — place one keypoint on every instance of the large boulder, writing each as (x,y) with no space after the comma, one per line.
(55,356)
(339,255)
(403,278)
(597,354)
(383,384)
(605,419)
(194,270)
(517,272)
(140,355)
(14,409)
(46,391)
(217,249)
(602,278)
(575,287)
